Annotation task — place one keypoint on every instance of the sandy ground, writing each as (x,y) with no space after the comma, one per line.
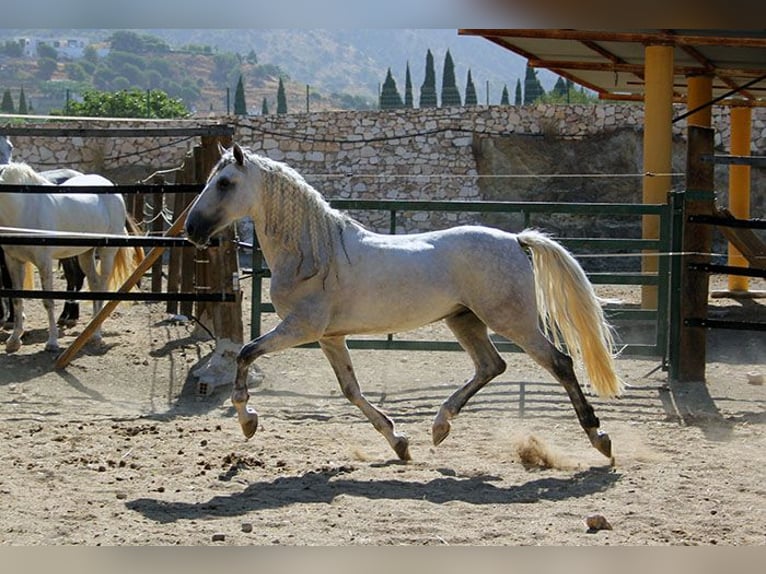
(119,449)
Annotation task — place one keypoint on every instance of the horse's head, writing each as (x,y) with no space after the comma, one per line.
(227,197)
(6,150)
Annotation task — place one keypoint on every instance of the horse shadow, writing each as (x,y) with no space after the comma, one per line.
(324,486)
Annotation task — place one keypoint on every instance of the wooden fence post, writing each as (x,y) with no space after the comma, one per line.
(221,268)
(697,244)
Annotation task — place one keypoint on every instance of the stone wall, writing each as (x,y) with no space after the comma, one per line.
(403,154)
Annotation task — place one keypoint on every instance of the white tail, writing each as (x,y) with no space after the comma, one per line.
(570,311)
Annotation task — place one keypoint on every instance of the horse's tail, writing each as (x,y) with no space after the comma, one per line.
(127,258)
(570,312)
(138,251)
(29,276)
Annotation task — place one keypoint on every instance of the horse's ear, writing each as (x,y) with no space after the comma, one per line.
(221,149)
(239,155)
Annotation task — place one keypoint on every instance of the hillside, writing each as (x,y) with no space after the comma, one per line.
(343,68)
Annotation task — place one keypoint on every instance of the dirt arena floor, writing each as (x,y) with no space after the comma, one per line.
(119,449)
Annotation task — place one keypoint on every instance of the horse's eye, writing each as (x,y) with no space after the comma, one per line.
(224,183)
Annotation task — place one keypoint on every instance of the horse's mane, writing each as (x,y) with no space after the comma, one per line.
(20,173)
(297,216)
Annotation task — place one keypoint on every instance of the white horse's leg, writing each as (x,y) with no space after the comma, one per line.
(96,282)
(289,333)
(46,281)
(537,346)
(472,335)
(106,258)
(17,272)
(337,353)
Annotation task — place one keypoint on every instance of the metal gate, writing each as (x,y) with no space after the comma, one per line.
(651,324)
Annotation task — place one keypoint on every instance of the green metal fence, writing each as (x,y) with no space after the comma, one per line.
(626,318)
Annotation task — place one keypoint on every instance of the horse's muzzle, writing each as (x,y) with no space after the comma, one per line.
(197,230)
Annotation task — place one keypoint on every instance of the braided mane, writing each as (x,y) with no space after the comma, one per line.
(297,216)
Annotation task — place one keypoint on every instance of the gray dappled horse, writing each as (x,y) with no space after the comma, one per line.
(331,277)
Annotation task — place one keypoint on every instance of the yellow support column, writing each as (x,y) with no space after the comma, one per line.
(658,116)
(699,93)
(739,187)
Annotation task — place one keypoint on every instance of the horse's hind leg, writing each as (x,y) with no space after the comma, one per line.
(561,367)
(97,279)
(74,281)
(472,335)
(337,353)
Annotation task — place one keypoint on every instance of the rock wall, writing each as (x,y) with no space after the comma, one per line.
(466,153)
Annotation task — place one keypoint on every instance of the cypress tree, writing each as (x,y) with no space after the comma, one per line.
(23,102)
(264,108)
(504,101)
(281,98)
(518,100)
(560,87)
(450,93)
(533,89)
(408,102)
(240,106)
(389,95)
(7,104)
(470,91)
(428,89)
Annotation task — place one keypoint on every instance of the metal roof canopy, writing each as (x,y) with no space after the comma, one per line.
(611,63)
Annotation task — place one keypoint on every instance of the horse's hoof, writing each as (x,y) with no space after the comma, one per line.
(249,422)
(52,348)
(601,441)
(402,448)
(439,431)
(12,346)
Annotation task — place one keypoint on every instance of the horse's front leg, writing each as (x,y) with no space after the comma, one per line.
(289,333)
(336,351)
(16,272)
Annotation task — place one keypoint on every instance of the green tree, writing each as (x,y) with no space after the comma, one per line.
(129,41)
(264,107)
(13,49)
(90,54)
(47,51)
(128,104)
(518,101)
(7,104)
(533,89)
(450,93)
(408,101)
(389,95)
(281,98)
(240,106)
(75,71)
(560,87)
(428,88)
(23,102)
(504,100)
(470,91)
(46,67)
(571,95)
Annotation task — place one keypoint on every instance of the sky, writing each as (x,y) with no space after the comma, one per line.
(586,14)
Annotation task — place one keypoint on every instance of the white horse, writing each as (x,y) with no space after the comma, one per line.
(62,212)
(330,278)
